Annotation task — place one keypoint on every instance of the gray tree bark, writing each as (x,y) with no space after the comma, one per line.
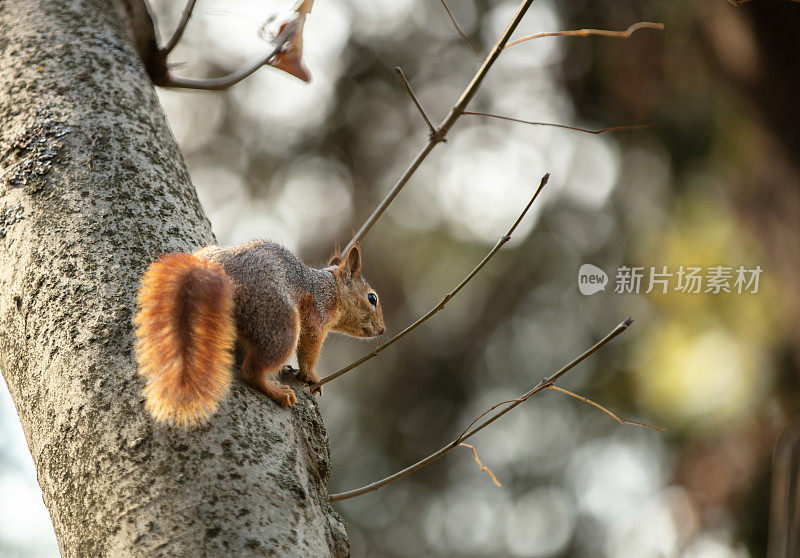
(92,188)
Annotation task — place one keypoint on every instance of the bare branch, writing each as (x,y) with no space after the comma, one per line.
(176,36)
(609,413)
(445,126)
(459,29)
(410,92)
(534,123)
(740,2)
(472,430)
(460,107)
(587,32)
(503,239)
(217,84)
(481,466)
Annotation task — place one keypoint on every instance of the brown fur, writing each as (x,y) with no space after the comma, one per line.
(185,335)
(263,296)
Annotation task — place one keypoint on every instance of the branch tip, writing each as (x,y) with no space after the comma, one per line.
(407,86)
(481,466)
(588,32)
(609,413)
(564,126)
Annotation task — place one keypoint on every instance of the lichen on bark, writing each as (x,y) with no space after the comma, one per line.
(92,188)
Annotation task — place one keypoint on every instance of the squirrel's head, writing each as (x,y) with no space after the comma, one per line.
(360,308)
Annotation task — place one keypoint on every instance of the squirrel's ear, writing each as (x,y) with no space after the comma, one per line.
(336,258)
(352,263)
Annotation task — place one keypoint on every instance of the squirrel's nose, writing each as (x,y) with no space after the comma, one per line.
(381,331)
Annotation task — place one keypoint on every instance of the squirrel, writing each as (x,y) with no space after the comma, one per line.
(194,309)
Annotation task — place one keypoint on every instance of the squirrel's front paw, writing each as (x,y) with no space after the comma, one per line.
(310,378)
(315,391)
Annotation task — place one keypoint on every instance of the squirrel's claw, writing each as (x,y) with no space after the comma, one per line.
(309,379)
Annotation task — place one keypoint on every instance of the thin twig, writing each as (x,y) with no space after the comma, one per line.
(459,108)
(463,434)
(550,380)
(410,92)
(503,239)
(444,127)
(534,123)
(587,32)
(609,413)
(471,431)
(481,466)
(740,2)
(217,84)
(459,29)
(176,36)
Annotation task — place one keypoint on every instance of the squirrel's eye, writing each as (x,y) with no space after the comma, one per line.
(373,299)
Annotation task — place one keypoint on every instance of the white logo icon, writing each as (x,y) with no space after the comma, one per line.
(591,279)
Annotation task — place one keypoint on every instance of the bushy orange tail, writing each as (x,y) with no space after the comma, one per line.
(185,335)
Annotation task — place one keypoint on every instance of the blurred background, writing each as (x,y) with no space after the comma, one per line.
(714,182)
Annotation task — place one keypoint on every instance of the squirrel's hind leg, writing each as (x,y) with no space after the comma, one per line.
(266,353)
(258,375)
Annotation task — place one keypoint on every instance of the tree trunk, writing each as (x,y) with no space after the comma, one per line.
(92,188)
